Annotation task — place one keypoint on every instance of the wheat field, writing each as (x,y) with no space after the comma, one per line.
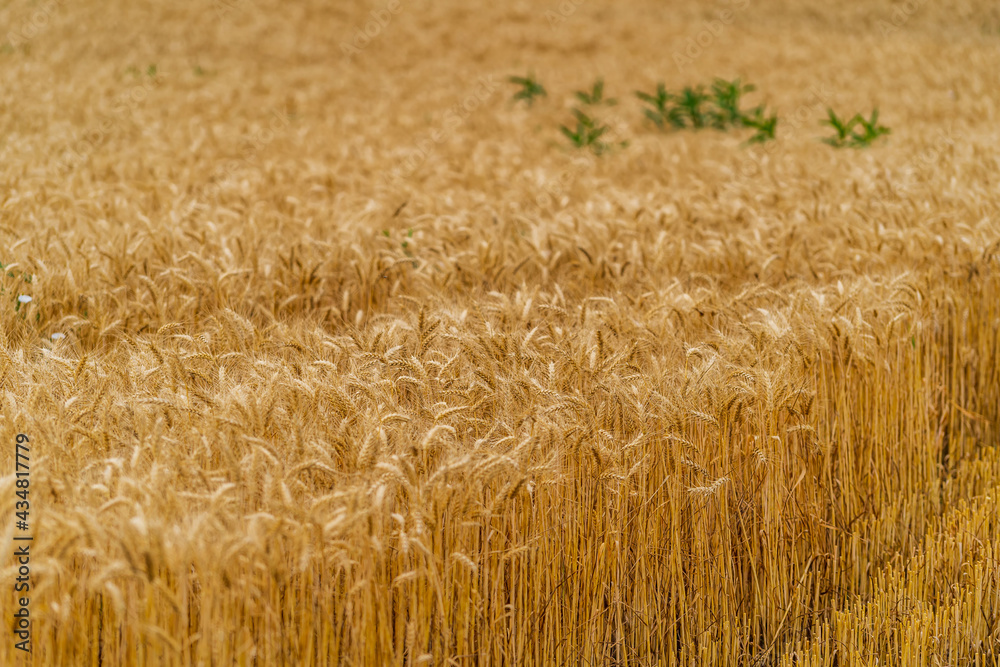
(330,353)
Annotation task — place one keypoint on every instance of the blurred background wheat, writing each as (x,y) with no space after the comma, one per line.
(336,356)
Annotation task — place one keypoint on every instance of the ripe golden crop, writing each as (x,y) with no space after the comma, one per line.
(340,356)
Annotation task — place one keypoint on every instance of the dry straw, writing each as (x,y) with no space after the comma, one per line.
(672,415)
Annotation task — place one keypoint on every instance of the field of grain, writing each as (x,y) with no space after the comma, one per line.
(330,353)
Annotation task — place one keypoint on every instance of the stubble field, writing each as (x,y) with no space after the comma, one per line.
(336,355)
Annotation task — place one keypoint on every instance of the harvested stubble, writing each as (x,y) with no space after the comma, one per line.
(675,413)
